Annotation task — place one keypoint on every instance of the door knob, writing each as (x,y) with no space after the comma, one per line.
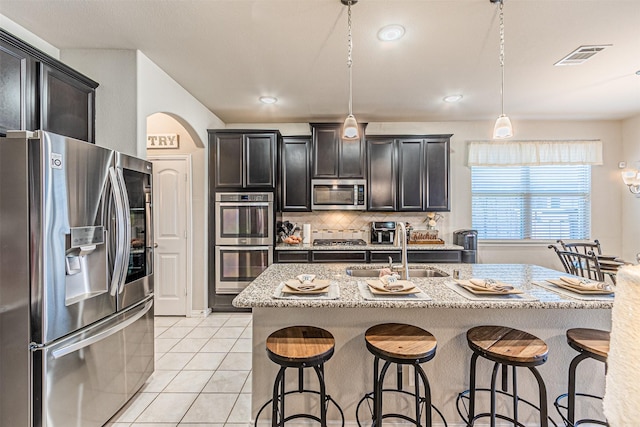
(155,245)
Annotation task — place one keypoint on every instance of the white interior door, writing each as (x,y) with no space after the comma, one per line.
(172,202)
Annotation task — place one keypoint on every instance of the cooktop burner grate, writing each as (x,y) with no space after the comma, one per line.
(339,242)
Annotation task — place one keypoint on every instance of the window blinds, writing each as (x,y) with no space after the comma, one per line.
(531,202)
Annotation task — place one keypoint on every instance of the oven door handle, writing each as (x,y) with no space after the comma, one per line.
(244,248)
(246,204)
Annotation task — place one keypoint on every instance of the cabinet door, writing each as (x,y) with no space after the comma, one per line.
(382,179)
(351,156)
(66,105)
(339,256)
(411,174)
(16,103)
(260,152)
(296,174)
(437,176)
(326,150)
(292,256)
(228,150)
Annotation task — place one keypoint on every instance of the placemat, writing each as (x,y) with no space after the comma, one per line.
(473,297)
(333,292)
(366,293)
(574,295)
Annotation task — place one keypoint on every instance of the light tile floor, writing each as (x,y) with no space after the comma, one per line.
(202,375)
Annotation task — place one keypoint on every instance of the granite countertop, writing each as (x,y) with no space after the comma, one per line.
(367,247)
(260,292)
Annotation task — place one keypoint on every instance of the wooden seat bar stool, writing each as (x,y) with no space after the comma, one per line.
(299,347)
(506,347)
(590,344)
(400,344)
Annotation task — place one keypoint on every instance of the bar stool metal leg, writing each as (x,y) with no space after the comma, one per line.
(571,398)
(278,398)
(544,417)
(472,388)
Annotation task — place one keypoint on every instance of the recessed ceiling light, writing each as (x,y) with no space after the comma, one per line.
(391,33)
(268,99)
(452,98)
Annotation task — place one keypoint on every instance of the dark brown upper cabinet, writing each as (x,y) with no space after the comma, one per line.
(40,92)
(67,104)
(295,174)
(17,88)
(334,157)
(243,159)
(408,173)
(382,182)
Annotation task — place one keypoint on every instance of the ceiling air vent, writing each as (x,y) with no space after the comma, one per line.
(581,55)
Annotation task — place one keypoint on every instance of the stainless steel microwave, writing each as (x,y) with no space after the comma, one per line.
(338,194)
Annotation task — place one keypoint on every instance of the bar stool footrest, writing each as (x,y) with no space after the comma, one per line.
(369,397)
(464,396)
(563,409)
(328,399)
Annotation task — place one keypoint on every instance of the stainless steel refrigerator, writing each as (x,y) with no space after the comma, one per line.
(76,280)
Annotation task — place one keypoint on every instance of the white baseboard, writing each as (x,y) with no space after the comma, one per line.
(200,313)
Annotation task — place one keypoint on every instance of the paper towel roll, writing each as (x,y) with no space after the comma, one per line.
(622,391)
(306,233)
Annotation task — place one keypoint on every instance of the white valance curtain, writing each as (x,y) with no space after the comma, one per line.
(534,153)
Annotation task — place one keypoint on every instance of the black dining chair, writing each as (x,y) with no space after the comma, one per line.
(608,266)
(579,264)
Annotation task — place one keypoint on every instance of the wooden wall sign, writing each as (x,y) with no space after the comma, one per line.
(163,140)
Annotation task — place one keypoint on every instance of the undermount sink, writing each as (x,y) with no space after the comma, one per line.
(413,272)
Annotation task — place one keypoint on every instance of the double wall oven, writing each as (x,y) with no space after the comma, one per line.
(244,238)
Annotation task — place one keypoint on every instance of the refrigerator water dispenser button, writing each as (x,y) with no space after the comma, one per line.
(73,265)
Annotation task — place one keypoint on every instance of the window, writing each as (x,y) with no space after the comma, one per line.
(531,202)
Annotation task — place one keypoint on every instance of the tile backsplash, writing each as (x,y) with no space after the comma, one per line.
(356,225)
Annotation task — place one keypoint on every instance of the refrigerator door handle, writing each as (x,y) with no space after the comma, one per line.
(126,243)
(116,276)
(63,351)
(148,220)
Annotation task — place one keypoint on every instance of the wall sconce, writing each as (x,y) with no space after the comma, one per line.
(631,178)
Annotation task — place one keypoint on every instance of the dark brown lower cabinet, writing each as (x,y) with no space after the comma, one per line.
(339,256)
(292,256)
(372,257)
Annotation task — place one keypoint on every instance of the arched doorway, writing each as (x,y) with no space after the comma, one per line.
(179,217)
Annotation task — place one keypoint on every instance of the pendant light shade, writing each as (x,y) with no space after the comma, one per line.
(350,129)
(502,128)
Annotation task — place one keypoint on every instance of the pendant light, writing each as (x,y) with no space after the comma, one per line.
(502,128)
(350,129)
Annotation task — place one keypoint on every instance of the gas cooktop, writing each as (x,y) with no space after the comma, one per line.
(339,242)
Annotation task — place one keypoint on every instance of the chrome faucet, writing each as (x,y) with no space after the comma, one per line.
(402,242)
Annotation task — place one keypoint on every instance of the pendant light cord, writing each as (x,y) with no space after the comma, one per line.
(502,56)
(349,59)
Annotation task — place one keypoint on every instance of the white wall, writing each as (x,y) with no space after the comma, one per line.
(606,189)
(158,92)
(630,203)
(27,36)
(116,103)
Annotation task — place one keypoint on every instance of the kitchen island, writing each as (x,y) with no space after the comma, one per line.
(447,315)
